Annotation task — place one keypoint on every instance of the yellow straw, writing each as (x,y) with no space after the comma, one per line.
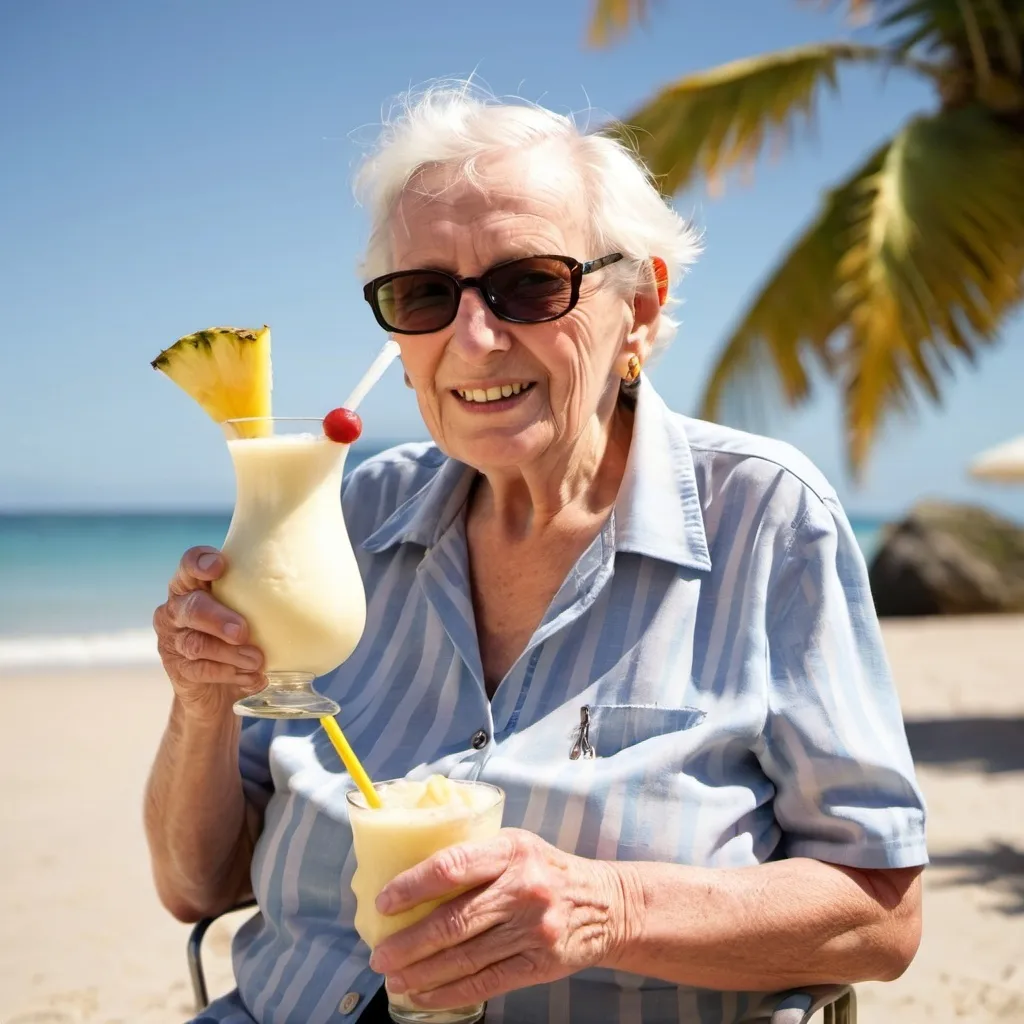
(351,762)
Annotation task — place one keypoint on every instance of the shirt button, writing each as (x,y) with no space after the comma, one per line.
(479,739)
(349,1003)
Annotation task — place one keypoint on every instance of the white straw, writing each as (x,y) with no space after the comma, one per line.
(373,374)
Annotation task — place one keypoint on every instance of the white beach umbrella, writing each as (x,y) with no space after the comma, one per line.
(1004,463)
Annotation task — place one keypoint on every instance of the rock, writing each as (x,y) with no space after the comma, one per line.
(946,559)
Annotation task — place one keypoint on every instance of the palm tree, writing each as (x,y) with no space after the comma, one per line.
(911,263)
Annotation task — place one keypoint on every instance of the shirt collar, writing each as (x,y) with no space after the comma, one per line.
(423,518)
(657,513)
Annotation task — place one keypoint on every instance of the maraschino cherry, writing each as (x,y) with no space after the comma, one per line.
(343,425)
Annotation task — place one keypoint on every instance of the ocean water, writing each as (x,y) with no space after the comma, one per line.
(79,590)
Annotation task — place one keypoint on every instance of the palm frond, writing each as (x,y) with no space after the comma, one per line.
(1011,36)
(790,324)
(612,19)
(948,25)
(859,13)
(937,261)
(929,25)
(910,268)
(710,122)
(975,41)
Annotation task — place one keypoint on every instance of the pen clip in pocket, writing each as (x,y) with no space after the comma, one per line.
(582,747)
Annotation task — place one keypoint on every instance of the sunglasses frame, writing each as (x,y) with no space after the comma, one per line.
(577,270)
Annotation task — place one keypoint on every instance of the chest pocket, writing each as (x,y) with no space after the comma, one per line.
(606,729)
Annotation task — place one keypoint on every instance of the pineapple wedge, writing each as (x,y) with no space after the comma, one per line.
(226,370)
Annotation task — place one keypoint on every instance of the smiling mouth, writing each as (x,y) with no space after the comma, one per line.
(484,396)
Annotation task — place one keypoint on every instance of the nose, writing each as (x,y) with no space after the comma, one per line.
(476,332)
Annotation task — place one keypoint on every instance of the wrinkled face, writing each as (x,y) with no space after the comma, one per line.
(564,371)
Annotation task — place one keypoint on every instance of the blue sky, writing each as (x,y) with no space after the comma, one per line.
(172,166)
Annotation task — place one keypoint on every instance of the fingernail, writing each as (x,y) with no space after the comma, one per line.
(396,985)
(249,655)
(206,562)
(383,902)
(376,962)
(232,630)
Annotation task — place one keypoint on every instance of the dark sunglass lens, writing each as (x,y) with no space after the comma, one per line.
(419,302)
(531,289)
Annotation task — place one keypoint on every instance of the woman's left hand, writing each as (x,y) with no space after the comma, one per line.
(532,915)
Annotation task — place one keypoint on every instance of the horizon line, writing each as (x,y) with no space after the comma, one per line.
(112,511)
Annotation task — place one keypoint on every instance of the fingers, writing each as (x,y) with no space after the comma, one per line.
(196,659)
(458,867)
(447,944)
(196,646)
(190,606)
(216,673)
(198,567)
(198,610)
(519,971)
(202,643)
(454,965)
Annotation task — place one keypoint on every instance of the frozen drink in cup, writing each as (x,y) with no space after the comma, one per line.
(416,820)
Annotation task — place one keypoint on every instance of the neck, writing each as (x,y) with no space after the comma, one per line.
(580,481)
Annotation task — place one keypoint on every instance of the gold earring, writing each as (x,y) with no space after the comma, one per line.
(631,374)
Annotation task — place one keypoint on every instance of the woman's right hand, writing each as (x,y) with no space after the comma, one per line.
(202,643)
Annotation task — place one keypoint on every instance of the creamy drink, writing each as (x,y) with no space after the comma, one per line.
(416,819)
(291,570)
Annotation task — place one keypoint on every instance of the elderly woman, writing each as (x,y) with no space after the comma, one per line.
(655,634)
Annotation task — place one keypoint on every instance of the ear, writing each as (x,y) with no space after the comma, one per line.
(647,302)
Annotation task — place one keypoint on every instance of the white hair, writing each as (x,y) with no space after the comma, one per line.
(454,125)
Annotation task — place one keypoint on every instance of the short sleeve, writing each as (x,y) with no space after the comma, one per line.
(254,761)
(834,742)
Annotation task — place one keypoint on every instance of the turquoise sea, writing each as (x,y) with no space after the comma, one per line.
(80,589)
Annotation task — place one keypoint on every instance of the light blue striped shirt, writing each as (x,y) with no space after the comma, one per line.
(721,633)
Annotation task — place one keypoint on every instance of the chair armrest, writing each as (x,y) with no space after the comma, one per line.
(794,1007)
(195,954)
(799,1005)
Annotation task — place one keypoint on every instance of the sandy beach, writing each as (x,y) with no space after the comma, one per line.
(83,938)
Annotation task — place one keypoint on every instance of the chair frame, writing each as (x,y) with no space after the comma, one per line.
(796,1006)
(194,954)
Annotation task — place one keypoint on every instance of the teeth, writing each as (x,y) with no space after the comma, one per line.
(492,394)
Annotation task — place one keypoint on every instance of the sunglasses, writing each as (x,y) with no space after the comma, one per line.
(532,290)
